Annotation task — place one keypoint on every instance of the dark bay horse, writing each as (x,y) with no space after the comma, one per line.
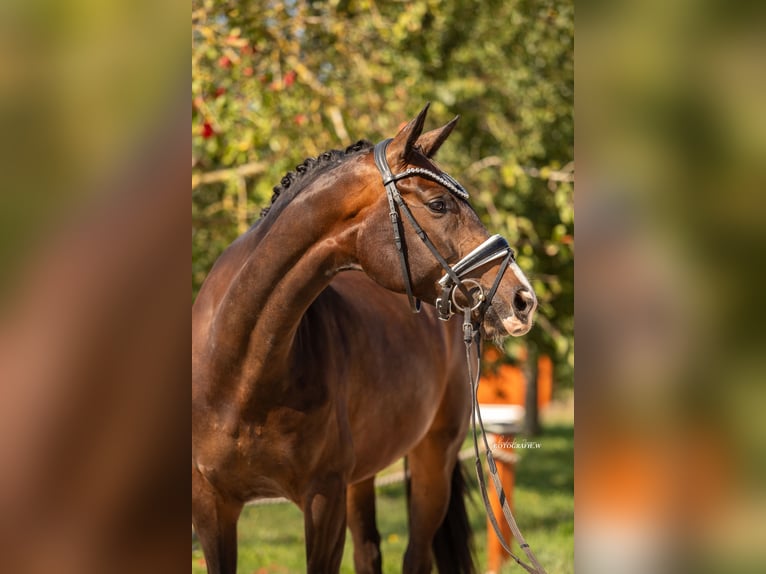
(308,381)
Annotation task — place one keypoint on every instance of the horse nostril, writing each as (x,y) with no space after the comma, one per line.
(522,300)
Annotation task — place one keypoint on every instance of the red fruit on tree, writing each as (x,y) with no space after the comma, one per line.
(207,130)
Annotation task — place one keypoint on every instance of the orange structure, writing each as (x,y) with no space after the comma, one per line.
(507,386)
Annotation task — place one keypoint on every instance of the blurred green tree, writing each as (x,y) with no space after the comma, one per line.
(274,82)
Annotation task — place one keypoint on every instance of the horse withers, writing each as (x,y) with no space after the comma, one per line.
(307,381)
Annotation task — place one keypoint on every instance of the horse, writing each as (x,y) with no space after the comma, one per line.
(310,374)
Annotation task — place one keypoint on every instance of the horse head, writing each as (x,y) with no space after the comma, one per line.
(421,222)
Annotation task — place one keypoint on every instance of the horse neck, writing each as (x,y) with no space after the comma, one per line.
(277,270)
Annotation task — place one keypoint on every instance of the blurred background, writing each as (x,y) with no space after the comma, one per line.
(94,323)
(672,149)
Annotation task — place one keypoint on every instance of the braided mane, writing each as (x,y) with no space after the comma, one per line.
(311,167)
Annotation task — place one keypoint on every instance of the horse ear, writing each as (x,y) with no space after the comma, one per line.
(430,142)
(404,142)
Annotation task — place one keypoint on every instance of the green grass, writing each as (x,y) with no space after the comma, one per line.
(271,537)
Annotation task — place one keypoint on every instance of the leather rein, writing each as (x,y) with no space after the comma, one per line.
(454,280)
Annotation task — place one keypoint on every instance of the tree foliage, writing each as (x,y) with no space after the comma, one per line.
(275,82)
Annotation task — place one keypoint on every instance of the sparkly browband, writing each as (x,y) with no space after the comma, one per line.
(443,179)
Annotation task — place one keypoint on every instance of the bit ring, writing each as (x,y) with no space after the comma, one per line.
(479,298)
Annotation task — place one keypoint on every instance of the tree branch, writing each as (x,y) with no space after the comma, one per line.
(242,171)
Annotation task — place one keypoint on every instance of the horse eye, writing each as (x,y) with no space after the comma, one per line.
(437,206)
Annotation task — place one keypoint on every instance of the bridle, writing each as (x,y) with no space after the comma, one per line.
(454,280)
